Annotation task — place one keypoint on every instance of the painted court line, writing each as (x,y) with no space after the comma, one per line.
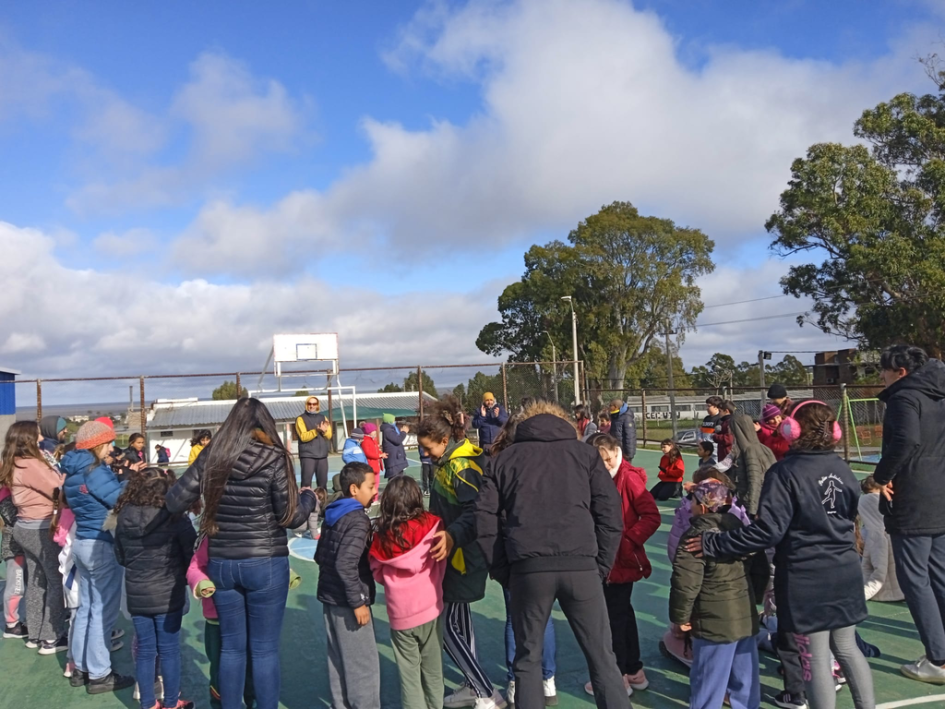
(912,702)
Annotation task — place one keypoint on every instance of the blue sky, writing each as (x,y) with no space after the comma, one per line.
(377,155)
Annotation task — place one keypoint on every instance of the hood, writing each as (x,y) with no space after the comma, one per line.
(722,521)
(459,449)
(545,427)
(254,458)
(339,508)
(743,427)
(414,558)
(50,426)
(77,462)
(928,380)
(136,522)
(623,409)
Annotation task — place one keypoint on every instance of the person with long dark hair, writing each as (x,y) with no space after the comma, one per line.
(134,453)
(200,441)
(247,480)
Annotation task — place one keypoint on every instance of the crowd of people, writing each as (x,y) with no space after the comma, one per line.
(548,505)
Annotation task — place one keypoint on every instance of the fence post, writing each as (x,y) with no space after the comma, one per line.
(420,388)
(144,414)
(331,423)
(505,388)
(239,386)
(39,400)
(845,403)
(643,412)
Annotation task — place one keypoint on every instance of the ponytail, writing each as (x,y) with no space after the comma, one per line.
(445,420)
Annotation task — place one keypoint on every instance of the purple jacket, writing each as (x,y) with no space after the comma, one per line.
(684,517)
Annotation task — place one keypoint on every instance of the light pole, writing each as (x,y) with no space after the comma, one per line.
(672,387)
(577,383)
(554,364)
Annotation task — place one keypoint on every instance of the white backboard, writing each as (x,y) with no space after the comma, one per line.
(311,347)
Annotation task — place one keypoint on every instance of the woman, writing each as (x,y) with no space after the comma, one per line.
(134,453)
(585,424)
(250,497)
(91,490)
(314,433)
(197,444)
(34,481)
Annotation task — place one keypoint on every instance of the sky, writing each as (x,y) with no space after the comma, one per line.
(181,181)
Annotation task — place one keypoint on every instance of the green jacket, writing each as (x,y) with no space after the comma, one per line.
(716,595)
(457,477)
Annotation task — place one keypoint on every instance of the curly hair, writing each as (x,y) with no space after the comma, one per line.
(445,420)
(401,502)
(146,488)
(506,436)
(816,421)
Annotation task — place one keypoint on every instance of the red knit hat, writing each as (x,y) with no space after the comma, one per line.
(92,434)
(107,421)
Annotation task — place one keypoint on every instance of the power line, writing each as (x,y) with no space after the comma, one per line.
(733,322)
(740,302)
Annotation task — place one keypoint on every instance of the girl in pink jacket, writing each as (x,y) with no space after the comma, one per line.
(413,586)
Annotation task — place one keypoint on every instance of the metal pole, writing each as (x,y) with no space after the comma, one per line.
(845,404)
(505,388)
(577,376)
(239,386)
(554,368)
(331,423)
(420,388)
(39,399)
(144,414)
(672,386)
(643,412)
(761,376)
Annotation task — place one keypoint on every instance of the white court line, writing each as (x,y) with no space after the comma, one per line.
(292,552)
(911,702)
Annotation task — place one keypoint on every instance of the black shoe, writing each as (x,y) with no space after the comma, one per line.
(111,682)
(78,678)
(790,701)
(51,648)
(16,631)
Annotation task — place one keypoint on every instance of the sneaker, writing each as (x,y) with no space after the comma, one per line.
(15,631)
(51,648)
(510,693)
(117,633)
(638,681)
(78,678)
(32,644)
(111,682)
(494,702)
(786,700)
(924,671)
(551,692)
(464,696)
(589,688)
(68,669)
(183,704)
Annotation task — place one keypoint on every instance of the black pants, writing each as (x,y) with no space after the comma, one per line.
(663,491)
(790,657)
(582,599)
(426,476)
(317,467)
(623,627)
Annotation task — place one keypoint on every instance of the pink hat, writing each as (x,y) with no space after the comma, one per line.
(769,412)
(368,428)
(92,434)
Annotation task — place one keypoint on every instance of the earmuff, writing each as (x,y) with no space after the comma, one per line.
(791,429)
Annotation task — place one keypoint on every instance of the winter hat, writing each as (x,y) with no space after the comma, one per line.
(357,433)
(487,396)
(777,391)
(107,421)
(92,434)
(712,494)
(769,412)
(368,428)
(389,418)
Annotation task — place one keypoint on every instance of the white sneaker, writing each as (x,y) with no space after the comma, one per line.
(463,696)
(510,692)
(494,702)
(924,671)
(551,692)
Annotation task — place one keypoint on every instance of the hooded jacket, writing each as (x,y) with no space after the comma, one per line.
(373,454)
(49,427)
(771,437)
(623,428)
(913,455)
(155,548)
(752,462)
(641,519)
(344,575)
(252,506)
(457,479)
(312,442)
(490,424)
(682,520)
(412,580)
(393,445)
(353,452)
(91,490)
(546,482)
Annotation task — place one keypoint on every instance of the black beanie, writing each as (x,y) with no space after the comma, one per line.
(777,391)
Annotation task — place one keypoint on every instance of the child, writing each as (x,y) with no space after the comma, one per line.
(155,548)
(346,591)
(603,422)
(683,517)
(706,452)
(353,451)
(426,471)
(752,460)
(14,612)
(371,450)
(723,437)
(401,561)
(807,512)
(769,431)
(197,444)
(879,567)
(585,424)
(457,477)
(641,519)
(713,599)
(672,471)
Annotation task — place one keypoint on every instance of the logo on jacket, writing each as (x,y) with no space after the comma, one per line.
(834,488)
(84,490)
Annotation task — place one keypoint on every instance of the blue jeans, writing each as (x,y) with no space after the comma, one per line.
(100,585)
(721,667)
(250,600)
(548,649)
(158,635)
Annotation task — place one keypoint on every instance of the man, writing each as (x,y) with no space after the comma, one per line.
(54,432)
(778,396)
(540,565)
(623,427)
(489,420)
(723,437)
(394,431)
(911,470)
(713,406)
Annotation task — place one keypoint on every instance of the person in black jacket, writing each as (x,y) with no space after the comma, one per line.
(250,498)
(808,514)
(623,427)
(394,432)
(155,548)
(911,470)
(545,482)
(346,591)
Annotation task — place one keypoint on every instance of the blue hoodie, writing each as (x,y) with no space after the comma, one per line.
(352,452)
(91,489)
(339,508)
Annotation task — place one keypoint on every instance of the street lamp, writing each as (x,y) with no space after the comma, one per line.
(577,384)
(554,364)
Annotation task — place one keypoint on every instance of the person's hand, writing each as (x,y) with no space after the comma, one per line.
(688,486)
(138,466)
(495,411)
(442,546)
(483,410)
(887,491)
(363,615)
(384,455)
(694,545)
(303,489)
(757,427)
(684,628)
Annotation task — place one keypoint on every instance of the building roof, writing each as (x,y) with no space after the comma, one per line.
(191,413)
(7,370)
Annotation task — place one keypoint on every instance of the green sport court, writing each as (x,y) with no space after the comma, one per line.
(29,680)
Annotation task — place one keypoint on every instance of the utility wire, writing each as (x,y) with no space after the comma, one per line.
(732,322)
(753,300)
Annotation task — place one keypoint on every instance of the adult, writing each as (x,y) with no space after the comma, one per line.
(247,480)
(545,482)
(91,489)
(769,431)
(134,453)
(35,482)
(394,431)
(623,427)
(778,395)
(911,470)
(54,431)
(489,419)
(713,407)
(314,434)
(584,422)
(752,461)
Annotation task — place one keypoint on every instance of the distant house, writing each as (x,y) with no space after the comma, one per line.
(833,368)
(7,399)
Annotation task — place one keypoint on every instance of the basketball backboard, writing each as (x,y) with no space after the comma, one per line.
(310,347)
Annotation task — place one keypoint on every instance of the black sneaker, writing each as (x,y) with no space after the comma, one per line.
(51,648)
(790,701)
(16,631)
(111,682)
(78,678)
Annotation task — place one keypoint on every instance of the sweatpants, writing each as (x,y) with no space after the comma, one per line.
(920,568)
(45,607)
(623,627)
(581,596)
(213,645)
(718,668)
(817,663)
(14,586)
(317,468)
(419,656)
(354,673)
(459,641)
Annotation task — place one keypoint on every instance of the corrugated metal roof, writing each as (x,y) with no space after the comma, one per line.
(204,413)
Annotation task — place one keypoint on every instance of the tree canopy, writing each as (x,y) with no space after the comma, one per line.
(722,371)
(410,384)
(228,391)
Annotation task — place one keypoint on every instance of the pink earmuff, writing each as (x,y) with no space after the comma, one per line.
(791,429)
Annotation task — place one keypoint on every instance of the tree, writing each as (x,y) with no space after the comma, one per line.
(390,388)
(410,384)
(718,372)
(300,392)
(877,215)
(649,372)
(227,391)
(479,385)
(631,277)
(790,371)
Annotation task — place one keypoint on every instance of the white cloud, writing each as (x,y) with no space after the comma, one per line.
(134,242)
(18,342)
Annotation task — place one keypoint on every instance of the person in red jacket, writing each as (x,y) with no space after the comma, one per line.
(371,450)
(769,431)
(672,471)
(641,519)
